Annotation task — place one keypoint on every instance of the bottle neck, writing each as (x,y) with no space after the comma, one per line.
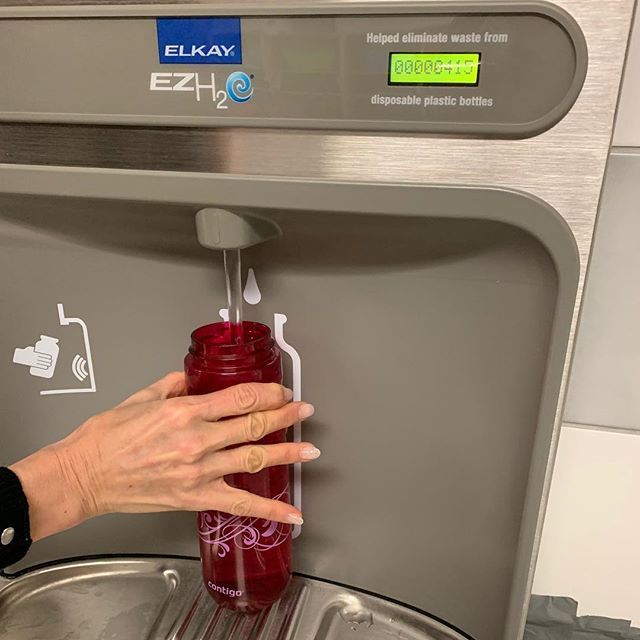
(213,347)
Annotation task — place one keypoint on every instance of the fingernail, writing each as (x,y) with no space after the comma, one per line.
(288,394)
(310,453)
(306,411)
(292,518)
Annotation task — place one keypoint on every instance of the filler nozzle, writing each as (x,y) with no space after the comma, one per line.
(222,229)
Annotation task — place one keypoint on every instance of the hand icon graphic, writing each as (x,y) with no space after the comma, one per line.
(29,357)
(41,358)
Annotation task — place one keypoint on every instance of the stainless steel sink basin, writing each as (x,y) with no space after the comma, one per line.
(163,599)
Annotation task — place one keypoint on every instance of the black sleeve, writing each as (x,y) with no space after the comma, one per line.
(15,536)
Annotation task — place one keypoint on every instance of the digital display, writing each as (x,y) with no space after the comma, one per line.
(433,69)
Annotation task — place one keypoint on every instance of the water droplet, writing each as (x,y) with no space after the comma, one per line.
(252,293)
(356,616)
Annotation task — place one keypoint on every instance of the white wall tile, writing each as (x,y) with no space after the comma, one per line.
(591,539)
(604,388)
(627,130)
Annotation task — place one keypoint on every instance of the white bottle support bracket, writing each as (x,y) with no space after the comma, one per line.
(279,320)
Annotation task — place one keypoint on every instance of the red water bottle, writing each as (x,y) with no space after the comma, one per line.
(246,562)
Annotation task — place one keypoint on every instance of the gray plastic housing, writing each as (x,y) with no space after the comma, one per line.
(320,66)
(220,229)
(436,433)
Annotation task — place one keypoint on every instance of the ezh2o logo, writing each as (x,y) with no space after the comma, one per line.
(239,87)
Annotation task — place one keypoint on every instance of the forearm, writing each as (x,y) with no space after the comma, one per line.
(53,491)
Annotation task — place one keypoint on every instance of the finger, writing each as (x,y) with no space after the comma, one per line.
(254,458)
(241,399)
(245,504)
(171,386)
(255,426)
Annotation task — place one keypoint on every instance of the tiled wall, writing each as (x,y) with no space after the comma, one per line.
(627,133)
(591,541)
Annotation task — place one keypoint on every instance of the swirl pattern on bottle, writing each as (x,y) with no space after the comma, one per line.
(221,530)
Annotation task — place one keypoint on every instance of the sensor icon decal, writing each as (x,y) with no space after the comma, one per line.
(41,359)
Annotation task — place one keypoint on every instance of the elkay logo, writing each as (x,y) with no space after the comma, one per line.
(199,40)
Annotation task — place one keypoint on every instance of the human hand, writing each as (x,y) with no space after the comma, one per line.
(161,450)
(29,357)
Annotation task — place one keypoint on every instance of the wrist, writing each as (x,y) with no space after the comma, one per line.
(14,519)
(58,497)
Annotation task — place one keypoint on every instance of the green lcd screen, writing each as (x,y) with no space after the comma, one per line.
(444,69)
